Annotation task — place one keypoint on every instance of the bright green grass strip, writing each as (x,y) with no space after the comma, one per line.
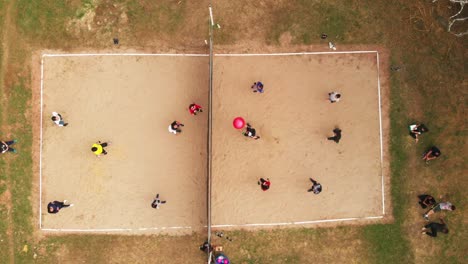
(20,170)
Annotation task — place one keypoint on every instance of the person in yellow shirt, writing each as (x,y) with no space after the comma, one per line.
(98,148)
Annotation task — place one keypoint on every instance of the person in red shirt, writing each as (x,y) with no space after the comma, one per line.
(194,109)
(264,184)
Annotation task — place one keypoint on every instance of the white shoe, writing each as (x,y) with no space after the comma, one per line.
(65,201)
(71,205)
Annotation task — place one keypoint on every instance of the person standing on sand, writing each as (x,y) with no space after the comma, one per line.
(157,202)
(334,97)
(194,109)
(264,184)
(336,135)
(250,132)
(6,146)
(98,148)
(316,187)
(57,118)
(55,206)
(258,87)
(174,127)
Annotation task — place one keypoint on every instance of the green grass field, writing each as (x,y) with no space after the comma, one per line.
(431,87)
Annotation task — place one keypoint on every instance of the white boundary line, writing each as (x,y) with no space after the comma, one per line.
(206,55)
(40,145)
(114,229)
(302,222)
(381,136)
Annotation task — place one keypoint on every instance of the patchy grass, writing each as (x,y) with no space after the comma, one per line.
(430,88)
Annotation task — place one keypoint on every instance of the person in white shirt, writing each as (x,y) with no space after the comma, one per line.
(334,97)
(57,118)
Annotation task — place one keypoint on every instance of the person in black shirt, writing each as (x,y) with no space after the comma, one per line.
(426,200)
(432,153)
(336,135)
(55,206)
(251,132)
(431,229)
(316,187)
(6,146)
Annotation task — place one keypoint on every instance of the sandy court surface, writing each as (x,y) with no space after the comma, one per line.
(129,101)
(293,119)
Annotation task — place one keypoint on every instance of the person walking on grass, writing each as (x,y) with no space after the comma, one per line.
(334,97)
(336,135)
(426,201)
(157,202)
(98,148)
(316,187)
(174,127)
(432,153)
(264,184)
(5,146)
(55,206)
(58,120)
(432,228)
(250,132)
(194,109)
(447,206)
(257,87)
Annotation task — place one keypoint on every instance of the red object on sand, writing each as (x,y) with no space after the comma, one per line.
(238,122)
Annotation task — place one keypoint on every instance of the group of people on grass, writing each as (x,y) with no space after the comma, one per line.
(427,201)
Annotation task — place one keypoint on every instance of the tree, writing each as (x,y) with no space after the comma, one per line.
(453,19)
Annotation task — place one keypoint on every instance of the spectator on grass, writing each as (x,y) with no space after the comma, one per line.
(416,130)
(57,118)
(426,201)
(316,187)
(334,97)
(157,202)
(98,148)
(6,146)
(55,206)
(174,127)
(257,87)
(447,206)
(432,153)
(264,184)
(250,132)
(432,228)
(194,109)
(336,135)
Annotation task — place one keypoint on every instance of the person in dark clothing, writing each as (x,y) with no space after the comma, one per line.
(174,127)
(316,187)
(432,153)
(336,135)
(416,130)
(55,206)
(264,184)
(157,202)
(6,146)
(431,229)
(206,247)
(426,201)
(251,132)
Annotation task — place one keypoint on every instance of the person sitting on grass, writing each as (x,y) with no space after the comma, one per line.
(431,229)
(447,206)
(432,153)
(426,201)
(416,130)
(6,146)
